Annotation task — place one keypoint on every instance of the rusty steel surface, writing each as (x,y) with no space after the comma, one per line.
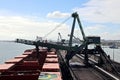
(88,74)
(85,73)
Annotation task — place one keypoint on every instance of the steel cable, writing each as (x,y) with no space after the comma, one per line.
(56,27)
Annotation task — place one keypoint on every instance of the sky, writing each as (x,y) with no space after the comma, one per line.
(27,19)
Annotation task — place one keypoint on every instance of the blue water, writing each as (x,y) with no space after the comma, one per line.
(9,50)
(114,53)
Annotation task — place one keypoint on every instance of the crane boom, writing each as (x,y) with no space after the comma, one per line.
(73,50)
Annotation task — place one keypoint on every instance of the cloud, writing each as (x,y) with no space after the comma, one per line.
(101,30)
(94,27)
(109,36)
(103,14)
(100,11)
(94,30)
(12,27)
(57,14)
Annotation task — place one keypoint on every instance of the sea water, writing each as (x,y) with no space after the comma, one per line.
(9,50)
(114,53)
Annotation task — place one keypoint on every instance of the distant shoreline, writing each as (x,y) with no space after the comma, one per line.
(7,40)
